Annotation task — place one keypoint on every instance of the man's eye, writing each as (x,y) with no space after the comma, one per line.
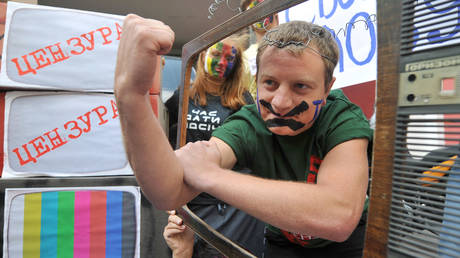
(269,83)
(301,86)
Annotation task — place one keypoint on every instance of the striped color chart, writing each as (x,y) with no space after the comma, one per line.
(67,224)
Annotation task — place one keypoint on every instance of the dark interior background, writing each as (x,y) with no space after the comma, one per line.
(188,18)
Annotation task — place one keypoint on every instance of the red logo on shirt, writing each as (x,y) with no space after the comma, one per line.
(298,238)
(315,162)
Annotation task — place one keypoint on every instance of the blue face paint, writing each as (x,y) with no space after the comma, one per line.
(257,99)
(317,104)
(230,63)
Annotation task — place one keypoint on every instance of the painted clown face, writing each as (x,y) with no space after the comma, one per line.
(220,59)
(265,23)
(291,90)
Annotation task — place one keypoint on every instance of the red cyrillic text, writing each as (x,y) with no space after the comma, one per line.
(73,129)
(32,62)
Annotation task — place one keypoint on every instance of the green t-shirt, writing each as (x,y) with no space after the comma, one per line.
(295,158)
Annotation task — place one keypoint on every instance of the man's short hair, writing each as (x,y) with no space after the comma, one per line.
(295,36)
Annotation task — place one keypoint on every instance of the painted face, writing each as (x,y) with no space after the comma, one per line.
(254,3)
(265,22)
(290,90)
(220,59)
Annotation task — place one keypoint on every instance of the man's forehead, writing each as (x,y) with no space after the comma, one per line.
(272,53)
(269,51)
(308,66)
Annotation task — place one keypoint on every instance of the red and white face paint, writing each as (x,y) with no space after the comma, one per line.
(220,59)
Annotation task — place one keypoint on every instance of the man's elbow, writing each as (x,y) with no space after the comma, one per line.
(165,206)
(344,227)
(342,234)
(337,228)
(163,203)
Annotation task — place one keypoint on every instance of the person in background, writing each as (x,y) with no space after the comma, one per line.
(258,29)
(306,144)
(180,238)
(217,92)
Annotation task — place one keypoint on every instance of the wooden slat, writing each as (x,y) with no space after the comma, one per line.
(388,20)
(211,236)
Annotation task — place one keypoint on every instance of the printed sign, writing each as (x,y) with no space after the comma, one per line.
(62,134)
(57,48)
(72,222)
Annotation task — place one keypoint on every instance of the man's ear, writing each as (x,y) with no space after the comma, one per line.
(328,90)
(329,87)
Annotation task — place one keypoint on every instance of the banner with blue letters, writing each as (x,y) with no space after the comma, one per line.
(354,24)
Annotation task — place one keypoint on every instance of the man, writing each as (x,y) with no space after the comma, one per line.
(306,145)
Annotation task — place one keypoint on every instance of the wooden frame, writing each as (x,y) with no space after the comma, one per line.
(388,15)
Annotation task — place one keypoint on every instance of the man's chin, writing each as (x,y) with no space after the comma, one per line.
(283,126)
(284,131)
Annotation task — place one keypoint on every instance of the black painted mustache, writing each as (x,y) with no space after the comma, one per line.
(279,122)
(302,107)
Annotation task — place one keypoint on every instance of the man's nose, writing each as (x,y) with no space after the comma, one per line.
(282,100)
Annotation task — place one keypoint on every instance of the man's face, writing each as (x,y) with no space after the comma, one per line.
(220,59)
(291,90)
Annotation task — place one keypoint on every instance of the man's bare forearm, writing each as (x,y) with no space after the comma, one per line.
(155,165)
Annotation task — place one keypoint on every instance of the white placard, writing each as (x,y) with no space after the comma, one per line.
(116,201)
(59,49)
(62,134)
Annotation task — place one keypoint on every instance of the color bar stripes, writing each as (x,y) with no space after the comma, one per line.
(67,224)
(82,220)
(32,223)
(49,224)
(97,224)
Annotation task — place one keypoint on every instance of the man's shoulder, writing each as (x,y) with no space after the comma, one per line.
(336,95)
(338,103)
(246,119)
(249,112)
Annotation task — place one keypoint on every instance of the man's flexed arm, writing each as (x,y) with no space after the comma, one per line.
(155,165)
(329,209)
